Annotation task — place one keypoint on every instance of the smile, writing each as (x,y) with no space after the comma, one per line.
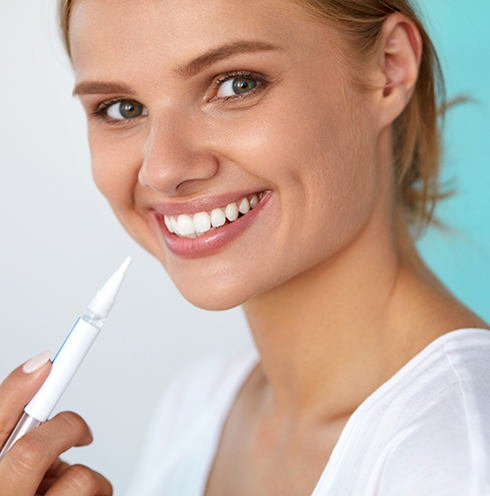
(205,232)
(198,224)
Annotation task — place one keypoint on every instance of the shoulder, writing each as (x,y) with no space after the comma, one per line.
(426,431)
(442,442)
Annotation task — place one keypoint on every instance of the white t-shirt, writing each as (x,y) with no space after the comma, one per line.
(425,432)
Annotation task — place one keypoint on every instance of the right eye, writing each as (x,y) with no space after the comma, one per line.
(126,109)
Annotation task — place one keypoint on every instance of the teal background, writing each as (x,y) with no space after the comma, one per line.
(461,256)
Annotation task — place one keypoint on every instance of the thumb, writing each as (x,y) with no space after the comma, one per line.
(18,389)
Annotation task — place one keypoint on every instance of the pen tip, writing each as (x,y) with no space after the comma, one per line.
(125,265)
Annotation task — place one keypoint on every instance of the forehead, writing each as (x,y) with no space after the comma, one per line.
(142,33)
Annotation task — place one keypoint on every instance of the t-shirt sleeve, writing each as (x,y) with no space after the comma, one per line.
(435,462)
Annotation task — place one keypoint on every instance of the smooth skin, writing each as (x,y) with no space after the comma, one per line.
(335,293)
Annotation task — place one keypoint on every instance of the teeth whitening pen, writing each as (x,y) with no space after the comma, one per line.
(69,358)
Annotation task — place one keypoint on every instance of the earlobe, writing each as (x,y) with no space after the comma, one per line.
(401,53)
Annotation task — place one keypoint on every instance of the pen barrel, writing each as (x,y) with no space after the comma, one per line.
(65,365)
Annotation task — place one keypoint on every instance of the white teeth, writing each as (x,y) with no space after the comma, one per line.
(185,225)
(202,222)
(244,207)
(218,218)
(174,224)
(231,212)
(168,223)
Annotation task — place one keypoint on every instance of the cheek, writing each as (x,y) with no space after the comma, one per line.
(316,152)
(115,168)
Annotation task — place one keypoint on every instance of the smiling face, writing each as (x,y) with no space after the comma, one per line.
(196,106)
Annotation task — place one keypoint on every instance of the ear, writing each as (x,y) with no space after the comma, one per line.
(400,54)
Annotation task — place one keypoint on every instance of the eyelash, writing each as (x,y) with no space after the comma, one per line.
(101,109)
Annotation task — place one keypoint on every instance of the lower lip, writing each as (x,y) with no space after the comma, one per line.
(212,241)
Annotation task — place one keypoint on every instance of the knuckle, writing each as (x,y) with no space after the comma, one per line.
(74,421)
(81,477)
(26,453)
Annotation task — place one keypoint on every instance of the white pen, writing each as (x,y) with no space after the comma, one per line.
(69,357)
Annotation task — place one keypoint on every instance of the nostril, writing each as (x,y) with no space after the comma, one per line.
(141,178)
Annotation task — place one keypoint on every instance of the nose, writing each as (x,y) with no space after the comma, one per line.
(176,156)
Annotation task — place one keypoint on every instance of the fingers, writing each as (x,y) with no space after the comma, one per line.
(52,475)
(57,468)
(18,389)
(78,480)
(24,466)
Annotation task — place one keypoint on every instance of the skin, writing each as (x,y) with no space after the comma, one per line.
(335,293)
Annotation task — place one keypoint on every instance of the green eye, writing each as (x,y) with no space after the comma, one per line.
(242,85)
(126,109)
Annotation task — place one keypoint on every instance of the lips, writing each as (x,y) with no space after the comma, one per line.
(192,235)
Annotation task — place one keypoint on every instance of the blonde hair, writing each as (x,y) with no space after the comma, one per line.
(417,137)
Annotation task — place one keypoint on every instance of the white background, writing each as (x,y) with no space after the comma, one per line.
(60,242)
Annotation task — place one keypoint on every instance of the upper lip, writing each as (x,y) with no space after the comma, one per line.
(205,203)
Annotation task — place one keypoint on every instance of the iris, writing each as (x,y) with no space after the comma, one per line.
(242,85)
(129,109)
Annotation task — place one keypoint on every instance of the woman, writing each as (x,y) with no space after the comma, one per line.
(317,123)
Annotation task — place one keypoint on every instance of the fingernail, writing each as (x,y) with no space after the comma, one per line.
(36,363)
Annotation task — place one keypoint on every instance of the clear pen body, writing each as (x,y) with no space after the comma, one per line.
(25,425)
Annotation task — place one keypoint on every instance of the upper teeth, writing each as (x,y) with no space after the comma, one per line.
(195,225)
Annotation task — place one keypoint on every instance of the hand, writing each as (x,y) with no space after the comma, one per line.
(32,467)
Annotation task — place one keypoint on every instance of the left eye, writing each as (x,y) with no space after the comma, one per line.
(236,86)
(126,109)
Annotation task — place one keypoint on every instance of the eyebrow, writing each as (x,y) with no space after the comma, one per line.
(222,52)
(101,88)
(187,70)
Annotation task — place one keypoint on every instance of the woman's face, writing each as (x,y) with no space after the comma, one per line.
(194,105)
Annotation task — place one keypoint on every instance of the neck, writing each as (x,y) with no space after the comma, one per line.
(331,336)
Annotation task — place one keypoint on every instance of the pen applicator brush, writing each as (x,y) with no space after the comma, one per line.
(105,298)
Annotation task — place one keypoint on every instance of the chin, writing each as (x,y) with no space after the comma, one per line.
(213,298)
(223,288)
(209,291)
